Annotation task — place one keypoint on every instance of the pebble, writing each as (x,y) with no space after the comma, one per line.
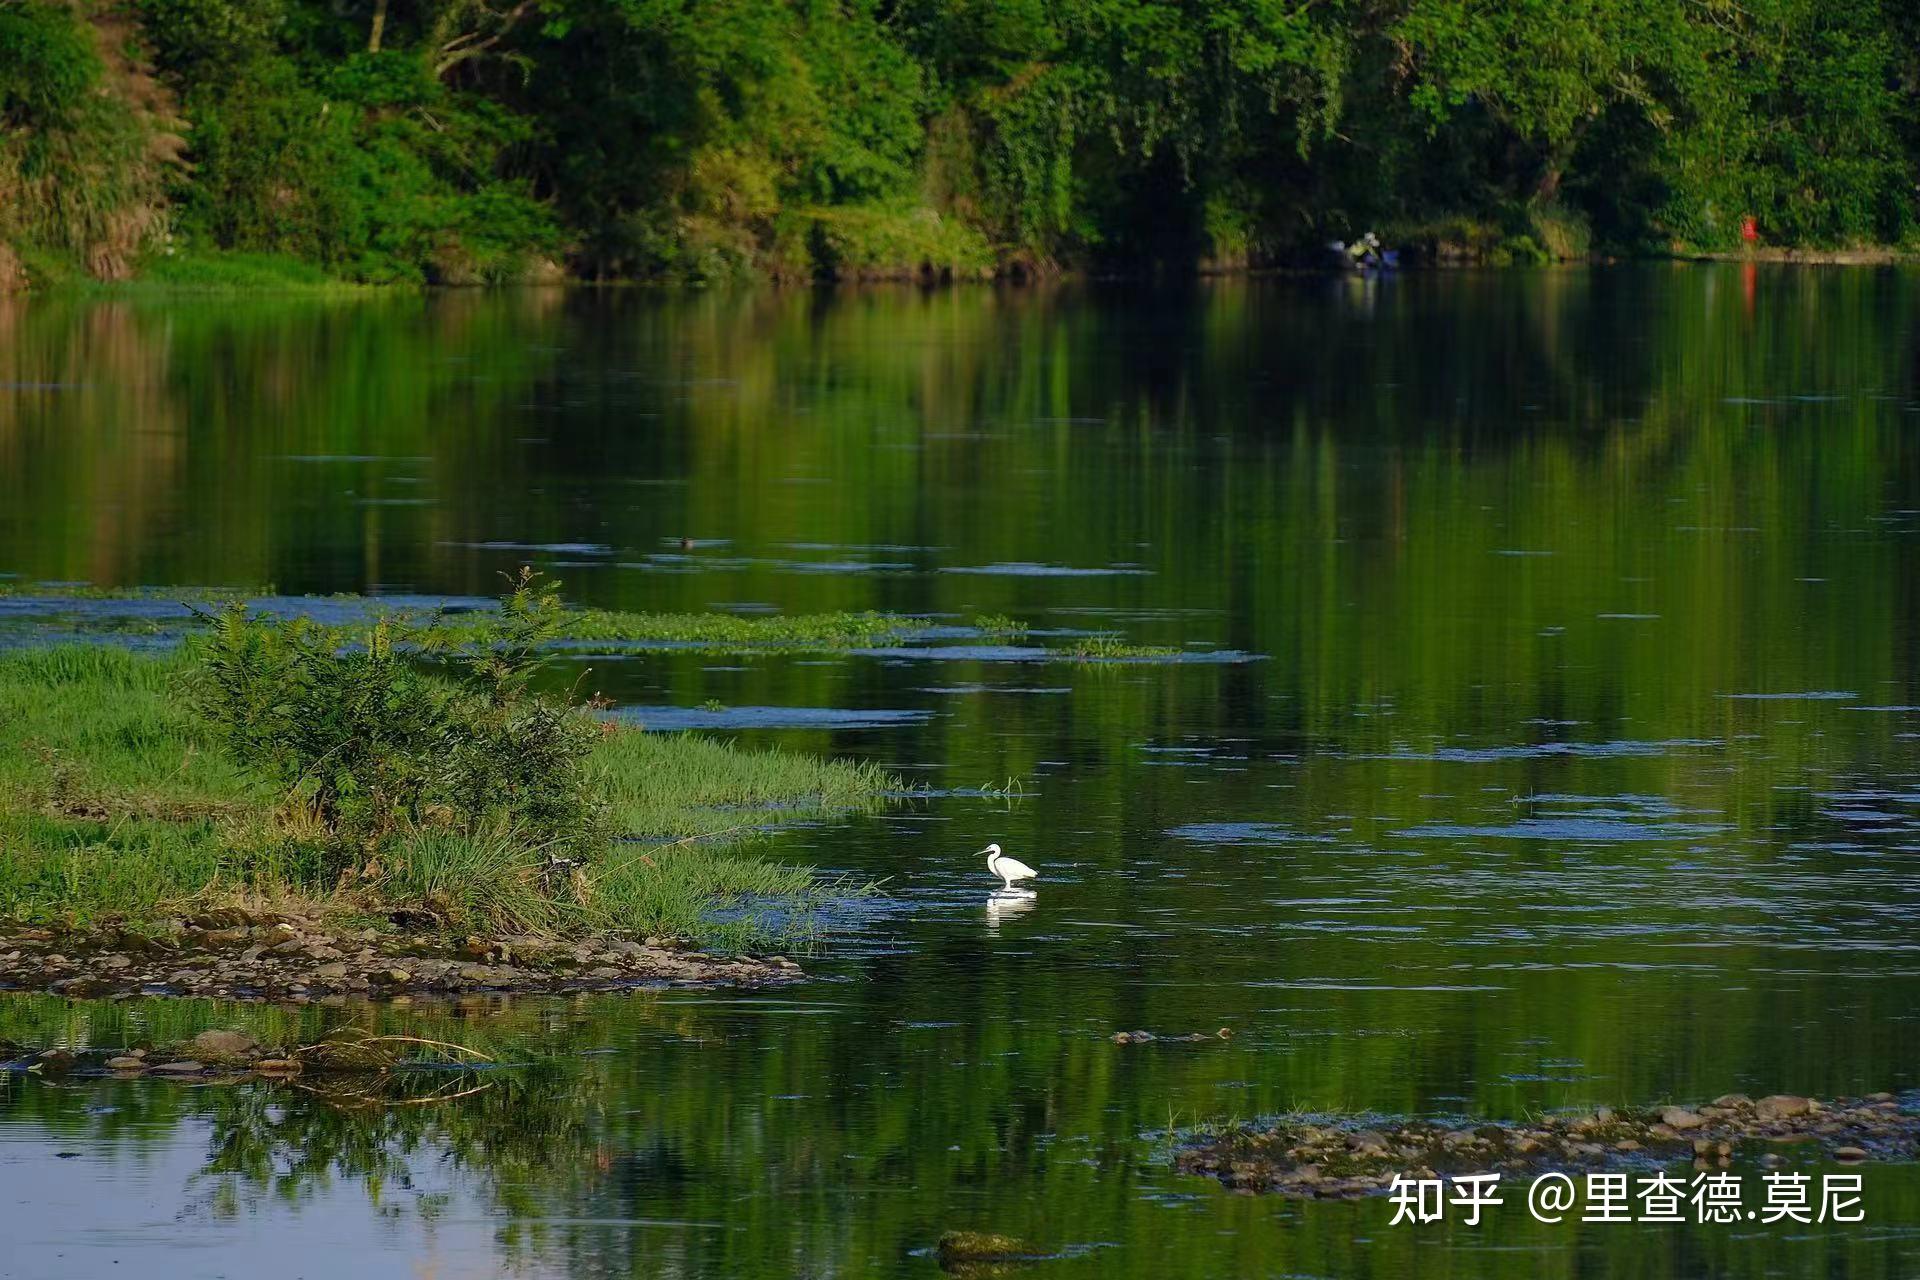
(279,962)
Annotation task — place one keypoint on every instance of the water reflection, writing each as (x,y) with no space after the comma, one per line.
(1008,904)
(1582,766)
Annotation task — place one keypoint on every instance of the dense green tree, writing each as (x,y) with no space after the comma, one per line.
(459,140)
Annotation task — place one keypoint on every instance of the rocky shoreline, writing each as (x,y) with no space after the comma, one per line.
(287,958)
(224,1054)
(1328,1159)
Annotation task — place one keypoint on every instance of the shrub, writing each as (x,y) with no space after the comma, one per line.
(47,64)
(372,744)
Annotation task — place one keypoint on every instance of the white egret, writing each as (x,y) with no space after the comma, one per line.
(1008,869)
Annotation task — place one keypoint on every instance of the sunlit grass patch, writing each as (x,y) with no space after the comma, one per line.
(97,730)
(119,802)
(651,890)
(214,271)
(671,785)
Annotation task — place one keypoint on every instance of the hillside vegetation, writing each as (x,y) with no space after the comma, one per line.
(471,141)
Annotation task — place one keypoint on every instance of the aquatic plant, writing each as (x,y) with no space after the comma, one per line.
(90,609)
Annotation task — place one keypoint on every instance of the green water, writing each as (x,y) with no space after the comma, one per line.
(1582,765)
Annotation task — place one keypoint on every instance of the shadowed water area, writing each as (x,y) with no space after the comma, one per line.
(1581,765)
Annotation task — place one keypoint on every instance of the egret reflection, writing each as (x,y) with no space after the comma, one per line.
(1005,904)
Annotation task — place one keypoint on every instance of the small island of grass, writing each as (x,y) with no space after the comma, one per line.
(393,777)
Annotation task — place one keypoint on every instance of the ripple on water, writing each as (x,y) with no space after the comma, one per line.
(664,562)
(1025,569)
(1545,750)
(1810,695)
(1035,653)
(1576,830)
(328,610)
(1636,806)
(553,548)
(1258,833)
(675,718)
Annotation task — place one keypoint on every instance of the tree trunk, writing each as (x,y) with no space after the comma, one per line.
(379,26)
(1549,184)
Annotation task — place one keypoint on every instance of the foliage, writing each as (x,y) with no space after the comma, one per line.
(78,171)
(47,64)
(370,742)
(462,142)
(308,142)
(1799,127)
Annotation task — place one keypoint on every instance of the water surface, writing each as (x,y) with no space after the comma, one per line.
(1582,765)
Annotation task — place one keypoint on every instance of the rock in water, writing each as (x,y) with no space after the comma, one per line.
(957,1247)
(224,1046)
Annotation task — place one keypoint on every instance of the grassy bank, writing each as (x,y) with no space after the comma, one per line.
(119,800)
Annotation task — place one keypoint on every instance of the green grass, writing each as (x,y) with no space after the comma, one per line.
(676,785)
(799,631)
(213,271)
(118,804)
(1095,648)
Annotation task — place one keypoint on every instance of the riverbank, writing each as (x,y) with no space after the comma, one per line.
(1483,248)
(1331,1158)
(239,954)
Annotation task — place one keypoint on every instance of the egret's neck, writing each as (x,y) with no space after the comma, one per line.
(993,863)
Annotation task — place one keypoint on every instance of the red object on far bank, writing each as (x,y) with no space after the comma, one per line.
(1749,230)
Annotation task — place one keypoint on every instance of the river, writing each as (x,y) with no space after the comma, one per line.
(1577,763)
